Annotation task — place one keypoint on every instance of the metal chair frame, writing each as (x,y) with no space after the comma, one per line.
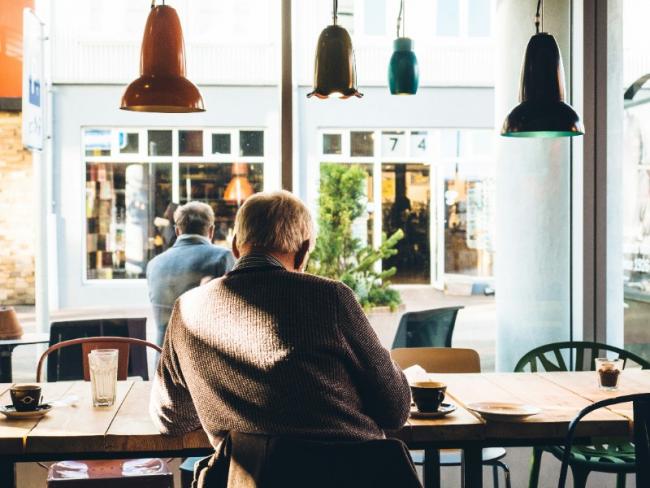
(548,357)
(130,341)
(641,405)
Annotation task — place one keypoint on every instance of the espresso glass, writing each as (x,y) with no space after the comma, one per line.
(608,371)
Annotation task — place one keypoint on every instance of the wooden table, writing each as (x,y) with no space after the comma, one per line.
(125,430)
(7,347)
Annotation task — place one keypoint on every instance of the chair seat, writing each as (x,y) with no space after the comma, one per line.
(452,457)
(116,473)
(612,458)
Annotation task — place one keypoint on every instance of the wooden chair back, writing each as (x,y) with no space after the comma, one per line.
(641,405)
(122,344)
(64,364)
(573,356)
(438,359)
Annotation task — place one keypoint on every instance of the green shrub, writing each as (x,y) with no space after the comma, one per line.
(338,254)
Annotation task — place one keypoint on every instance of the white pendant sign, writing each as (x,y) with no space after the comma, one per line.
(34,93)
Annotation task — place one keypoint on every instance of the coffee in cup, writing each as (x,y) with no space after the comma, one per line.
(25,398)
(428,395)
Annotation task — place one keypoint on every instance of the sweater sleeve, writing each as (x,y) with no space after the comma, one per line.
(171,407)
(383,387)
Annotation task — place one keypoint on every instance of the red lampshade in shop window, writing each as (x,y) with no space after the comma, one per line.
(162,86)
(239,188)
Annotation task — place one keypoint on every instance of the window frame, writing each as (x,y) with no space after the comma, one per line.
(267,160)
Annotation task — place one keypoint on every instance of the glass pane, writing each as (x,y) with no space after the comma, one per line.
(160,143)
(332,144)
(393,144)
(375,17)
(362,144)
(346,15)
(447,20)
(449,143)
(634,184)
(190,143)
(469,221)
(405,205)
(419,144)
(122,203)
(220,143)
(224,186)
(479,18)
(129,142)
(251,143)
(97,142)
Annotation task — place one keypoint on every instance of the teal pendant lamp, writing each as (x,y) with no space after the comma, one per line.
(542,111)
(403,71)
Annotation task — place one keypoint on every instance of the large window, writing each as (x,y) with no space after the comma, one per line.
(135,179)
(436,185)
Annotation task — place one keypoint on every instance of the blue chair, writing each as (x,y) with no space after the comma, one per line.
(426,328)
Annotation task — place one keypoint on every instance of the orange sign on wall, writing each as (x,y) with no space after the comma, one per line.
(11,46)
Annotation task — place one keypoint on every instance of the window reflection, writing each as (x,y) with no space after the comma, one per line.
(405,205)
(224,186)
(122,202)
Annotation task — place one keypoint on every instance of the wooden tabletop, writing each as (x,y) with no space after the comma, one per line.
(126,427)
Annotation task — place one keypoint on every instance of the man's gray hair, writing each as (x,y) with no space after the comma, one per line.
(194,218)
(274,221)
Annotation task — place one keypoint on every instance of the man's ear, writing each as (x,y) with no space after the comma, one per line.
(211,232)
(235,250)
(300,260)
(177,230)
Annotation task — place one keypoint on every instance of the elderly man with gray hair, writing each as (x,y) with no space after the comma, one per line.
(268,349)
(191,261)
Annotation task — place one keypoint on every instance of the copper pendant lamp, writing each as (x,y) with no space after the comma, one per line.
(542,111)
(335,74)
(162,86)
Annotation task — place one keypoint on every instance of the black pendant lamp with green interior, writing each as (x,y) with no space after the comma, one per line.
(335,74)
(403,71)
(542,111)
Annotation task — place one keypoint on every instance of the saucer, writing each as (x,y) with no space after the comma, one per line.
(503,412)
(444,410)
(11,413)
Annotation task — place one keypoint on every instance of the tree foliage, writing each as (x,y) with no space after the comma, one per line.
(338,254)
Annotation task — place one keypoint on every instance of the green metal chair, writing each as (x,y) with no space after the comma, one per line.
(617,458)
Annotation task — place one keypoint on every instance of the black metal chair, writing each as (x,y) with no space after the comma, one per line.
(65,364)
(615,458)
(426,328)
(641,405)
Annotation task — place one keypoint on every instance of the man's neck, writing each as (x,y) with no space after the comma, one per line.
(286,259)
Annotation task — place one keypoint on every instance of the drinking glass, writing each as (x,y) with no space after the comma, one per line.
(608,371)
(103,376)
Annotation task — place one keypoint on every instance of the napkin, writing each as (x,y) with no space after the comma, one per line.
(416,373)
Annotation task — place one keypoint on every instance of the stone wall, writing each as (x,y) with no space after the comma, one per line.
(16,215)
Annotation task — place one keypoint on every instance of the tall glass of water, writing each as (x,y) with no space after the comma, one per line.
(103,376)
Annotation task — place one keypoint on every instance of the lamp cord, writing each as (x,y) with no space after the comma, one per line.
(335,11)
(539,16)
(401,19)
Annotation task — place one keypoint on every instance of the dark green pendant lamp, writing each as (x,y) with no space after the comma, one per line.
(542,111)
(335,74)
(403,72)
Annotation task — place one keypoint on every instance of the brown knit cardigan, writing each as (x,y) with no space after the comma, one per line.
(271,351)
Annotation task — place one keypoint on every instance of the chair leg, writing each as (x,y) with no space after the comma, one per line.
(495,476)
(506,472)
(535,463)
(579,477)
(620,480)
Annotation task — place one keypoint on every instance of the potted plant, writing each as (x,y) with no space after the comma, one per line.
(342,256)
